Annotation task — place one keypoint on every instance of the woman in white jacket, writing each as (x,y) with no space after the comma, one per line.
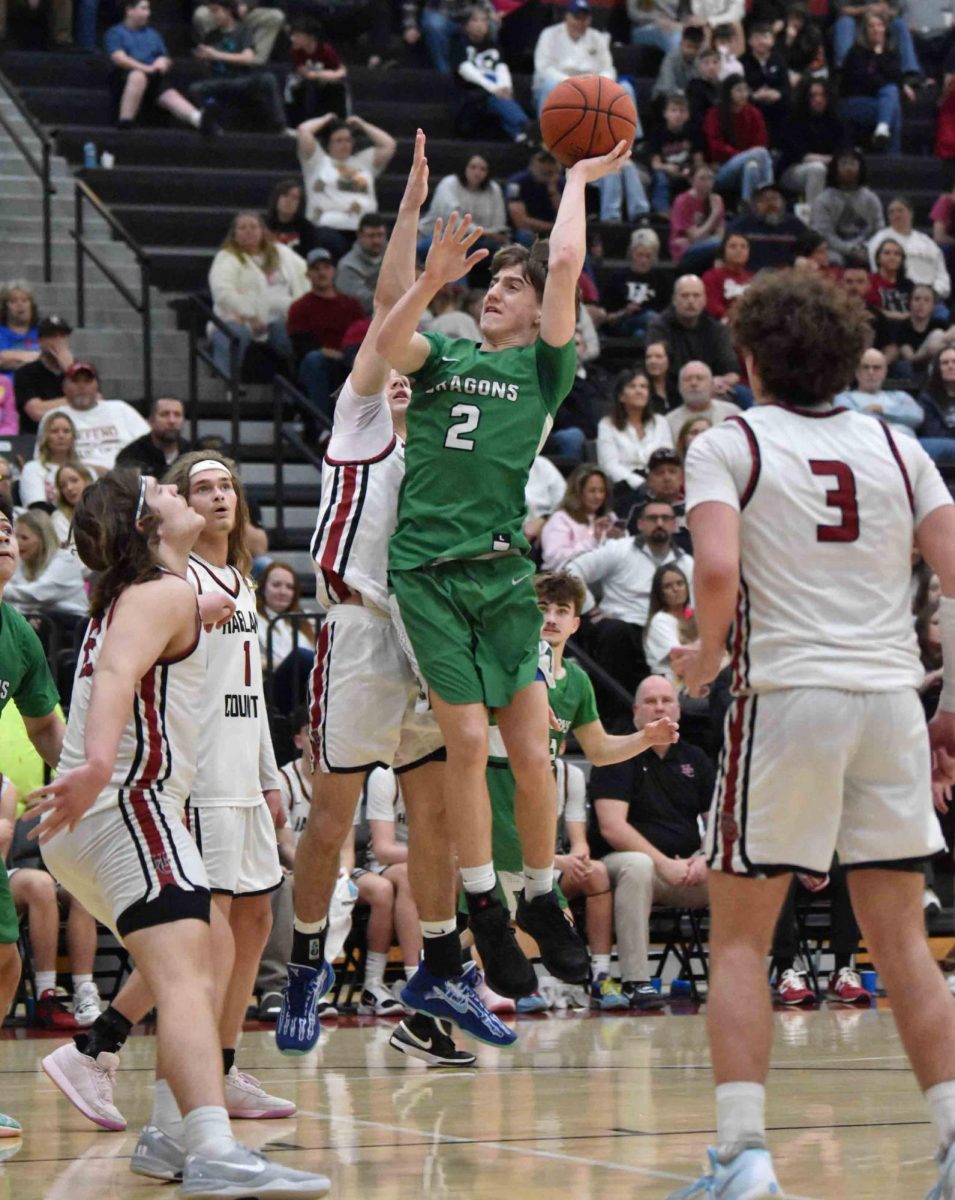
(630,434)
(47,578)
(253,281)
(55,447)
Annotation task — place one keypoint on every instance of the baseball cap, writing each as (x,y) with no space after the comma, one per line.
(319,254)
(579,7)
(664,457)
(78,368)
(53,325)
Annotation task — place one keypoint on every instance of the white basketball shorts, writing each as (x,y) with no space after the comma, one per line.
(805,772)
(132,866)
(363,695)
(238,846)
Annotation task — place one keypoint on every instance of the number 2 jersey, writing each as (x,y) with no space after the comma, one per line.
(236,760)
(475,424)
(829,501)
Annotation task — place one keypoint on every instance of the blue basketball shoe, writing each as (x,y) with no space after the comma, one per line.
(945,1188)
(748,1176)
(297,1030)
(456,1000)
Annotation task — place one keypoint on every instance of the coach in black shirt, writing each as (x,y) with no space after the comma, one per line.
(156,451)
(645,829)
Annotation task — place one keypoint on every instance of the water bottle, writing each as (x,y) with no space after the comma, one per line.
(680,987)
(107,161)
(89,155)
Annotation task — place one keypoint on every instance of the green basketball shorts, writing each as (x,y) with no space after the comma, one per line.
(9,925)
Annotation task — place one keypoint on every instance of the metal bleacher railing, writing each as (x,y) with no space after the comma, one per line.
(40,167)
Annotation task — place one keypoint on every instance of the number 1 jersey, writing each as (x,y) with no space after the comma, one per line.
(829,501)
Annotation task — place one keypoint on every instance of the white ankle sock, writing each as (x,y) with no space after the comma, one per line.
(601,964)
(941,1102)
(375,964)
(411,969)
(740,1117)
(309,927)
(538,881)
(478,879)
(195,119)
(166,1115)
(45,981)
(207,1132)
(79,980)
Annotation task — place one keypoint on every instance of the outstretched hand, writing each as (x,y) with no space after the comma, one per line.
(450,255)
(663,732)
(593,169)
(416,189)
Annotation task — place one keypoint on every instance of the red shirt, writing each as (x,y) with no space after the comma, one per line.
(324,318)
(325,58)
(723,289)
(749,130)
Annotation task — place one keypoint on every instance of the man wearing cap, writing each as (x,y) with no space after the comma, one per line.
(103,427)
(572,48)
(771,230)
(316,325)
(664,482)
(38,386)
(156,451)
(699,400)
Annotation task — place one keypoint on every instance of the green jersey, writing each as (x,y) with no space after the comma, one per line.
(477,420)
(24,674)
(572,702)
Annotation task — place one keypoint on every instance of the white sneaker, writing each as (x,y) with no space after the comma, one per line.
(396,989)
(945,1188)
(158,1156)
(244,1172)
(87,1004)
(491,1000)
(246,1099)
(748,1176)
(87,1083)
(377,1001)
(930,902)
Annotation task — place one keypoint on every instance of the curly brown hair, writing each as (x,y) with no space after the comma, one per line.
(560,587)
(805,334)
(111,541)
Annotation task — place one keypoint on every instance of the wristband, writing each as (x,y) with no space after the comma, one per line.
(946,629)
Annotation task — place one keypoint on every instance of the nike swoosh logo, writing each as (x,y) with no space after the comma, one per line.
(425,1045)
(519,579)
(458,1002)
(448,360)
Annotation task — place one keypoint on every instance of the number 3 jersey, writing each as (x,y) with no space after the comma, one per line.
(236,761)
(829,501)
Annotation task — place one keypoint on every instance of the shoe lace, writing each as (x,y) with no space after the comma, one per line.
(847,977)
(248,1083)
(793,979)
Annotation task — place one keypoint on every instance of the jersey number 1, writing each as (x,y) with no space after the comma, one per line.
(456,438)
(843,497)
(248,664)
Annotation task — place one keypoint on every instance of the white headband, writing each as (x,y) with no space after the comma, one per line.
(141,504)
(209,464)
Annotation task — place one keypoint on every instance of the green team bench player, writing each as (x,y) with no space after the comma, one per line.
(460,578)
(560,597)
(26,680)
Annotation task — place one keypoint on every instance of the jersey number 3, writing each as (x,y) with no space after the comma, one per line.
(843,497)
(456,437)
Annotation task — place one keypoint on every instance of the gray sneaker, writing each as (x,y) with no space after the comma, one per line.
(158,1156)
(244,1173)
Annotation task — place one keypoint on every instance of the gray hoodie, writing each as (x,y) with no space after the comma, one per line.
(846,218)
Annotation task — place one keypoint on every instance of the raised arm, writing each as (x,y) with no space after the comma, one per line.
(306,134)
(384,144)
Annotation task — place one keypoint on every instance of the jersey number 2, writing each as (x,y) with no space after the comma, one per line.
(470,414)
(843,497)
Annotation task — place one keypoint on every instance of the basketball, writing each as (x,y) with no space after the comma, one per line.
(585,117)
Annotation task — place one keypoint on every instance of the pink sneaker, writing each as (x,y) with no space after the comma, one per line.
(491,1000)
(246,1099)
(791,989)
(87,1083)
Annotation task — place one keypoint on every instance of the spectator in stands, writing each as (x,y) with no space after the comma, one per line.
(6,489)
(703,90)
(446,314)
(473,190)
(59,21)
(697,223)
(727,40)
(261,24)
(285,217)
(141,65)
(768,77)
(236,83)
(645,829)
(55,447)
(485,79)
(937,433)
(48,579)
(924,261)
(930,25)
(316,326)
(871,83)
(729,277)
(674,149)
(627,438)
(812,252)
(533,196)
(736,140)
(19,334)
(656,23)
(637,294)
(850,25)
(801,44)
(287,646)
(441,26)
(624,568)
(253,281)
(810,141)
(576,419)
(669,620)
(679,64)
(699,399)
(942,217)
(572,48)
(689,431)
(908,345)
(663,387)
(103,427)
(318,80)
(890,286)
(870,395)
(857,281)
(72,480)
(38,385)
(156,451)
(664,482)
(583,520)
(846,212)
(543,495)
(771,230)
(691,334)
(358,269)
(340,183)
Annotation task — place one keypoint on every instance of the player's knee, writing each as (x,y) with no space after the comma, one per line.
(530,762)
(599,879)
(35,888)
(467,747)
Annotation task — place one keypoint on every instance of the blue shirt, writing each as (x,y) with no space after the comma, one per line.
(145,45)
(10,340)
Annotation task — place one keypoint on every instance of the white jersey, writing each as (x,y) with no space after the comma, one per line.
(158,746)
(296,797)
(236,760)
(829,501)
(363,472)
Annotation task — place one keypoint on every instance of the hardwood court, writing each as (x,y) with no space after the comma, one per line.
(595,1108)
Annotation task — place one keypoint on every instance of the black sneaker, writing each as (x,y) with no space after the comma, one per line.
(429,1041)
(643,996)
(208,125)
(506,968)
(562,950)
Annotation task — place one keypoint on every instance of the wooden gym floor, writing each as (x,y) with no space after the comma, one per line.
(595,1108)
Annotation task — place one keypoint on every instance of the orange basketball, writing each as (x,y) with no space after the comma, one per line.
(585,117)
